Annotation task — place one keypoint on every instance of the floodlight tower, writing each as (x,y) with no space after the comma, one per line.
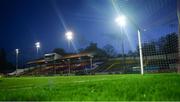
(91,61)
(38,45)
(69,65)
(121,21)
(69,37)
(17,54)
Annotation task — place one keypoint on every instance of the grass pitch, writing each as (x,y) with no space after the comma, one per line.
(132,87)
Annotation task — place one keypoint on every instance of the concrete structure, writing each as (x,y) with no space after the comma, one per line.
(52,57)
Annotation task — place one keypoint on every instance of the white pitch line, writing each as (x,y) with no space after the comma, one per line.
(82,81)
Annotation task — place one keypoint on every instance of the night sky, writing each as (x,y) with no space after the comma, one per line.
(24,22)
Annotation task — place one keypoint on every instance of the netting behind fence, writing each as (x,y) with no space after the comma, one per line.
(159,38)
(162,54)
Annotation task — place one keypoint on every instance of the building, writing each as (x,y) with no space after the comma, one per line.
(51,57)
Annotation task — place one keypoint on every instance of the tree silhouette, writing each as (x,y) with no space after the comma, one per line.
(109,49)
(60,51)
(5,66)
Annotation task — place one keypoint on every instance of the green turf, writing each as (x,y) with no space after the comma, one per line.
(155,87)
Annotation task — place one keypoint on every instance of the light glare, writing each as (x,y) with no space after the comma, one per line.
(37,44)
(121,20)
(69,35)
(17,51)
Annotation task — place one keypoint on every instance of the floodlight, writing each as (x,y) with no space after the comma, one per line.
(69,35)
(121,20)
(17,51)
(37,44)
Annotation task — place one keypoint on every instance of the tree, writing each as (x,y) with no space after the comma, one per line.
(161,43)
(168,44)
(2,59)
(60,51)
(132,54)
(5,66)
(80,50)
(109,49)
(171,43)
(149,49)
(93,48)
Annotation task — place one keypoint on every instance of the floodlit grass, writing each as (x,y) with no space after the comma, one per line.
(134,87)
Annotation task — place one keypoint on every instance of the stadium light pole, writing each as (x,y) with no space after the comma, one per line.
(69,37)
(17,55)
(91,61)
(121,21)
(38,45)
(69,66)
